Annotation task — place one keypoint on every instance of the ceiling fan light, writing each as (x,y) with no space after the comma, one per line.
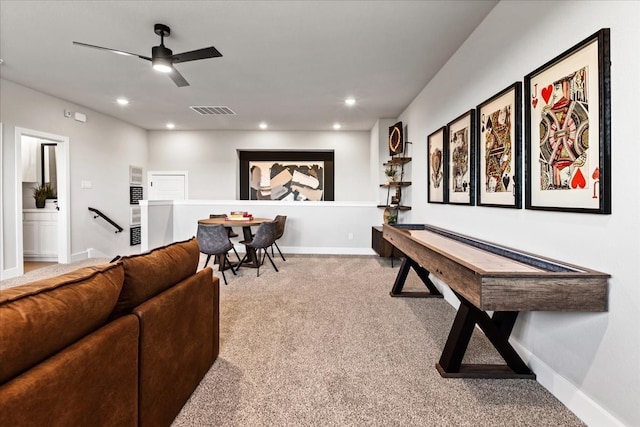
(162,64)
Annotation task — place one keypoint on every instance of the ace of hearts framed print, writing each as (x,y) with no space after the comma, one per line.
(568,130)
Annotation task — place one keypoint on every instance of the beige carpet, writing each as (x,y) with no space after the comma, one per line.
(321,343)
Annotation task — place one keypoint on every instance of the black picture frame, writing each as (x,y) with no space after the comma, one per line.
(499,149)
(568,103)
(247,156)
(461,166)
(396,139)
(437,182)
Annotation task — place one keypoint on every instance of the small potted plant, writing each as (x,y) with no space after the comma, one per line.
(392,219)
(390,172)
(42,192)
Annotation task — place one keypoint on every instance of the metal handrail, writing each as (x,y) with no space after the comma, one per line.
(106,218)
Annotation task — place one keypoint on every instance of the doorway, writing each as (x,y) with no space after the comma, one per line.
(168,185)
(61,166)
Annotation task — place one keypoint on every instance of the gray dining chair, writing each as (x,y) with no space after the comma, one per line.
(230,231)
(264,237)
(214,240)
(280,220)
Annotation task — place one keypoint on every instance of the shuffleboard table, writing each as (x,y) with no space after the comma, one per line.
(489,277)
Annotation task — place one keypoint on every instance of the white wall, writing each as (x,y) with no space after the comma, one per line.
(101,151)
(598,354)
(311,227)
(211,157)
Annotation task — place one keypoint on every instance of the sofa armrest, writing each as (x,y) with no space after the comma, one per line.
(179,341)
(93,382)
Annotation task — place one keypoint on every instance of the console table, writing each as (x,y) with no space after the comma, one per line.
(485,276)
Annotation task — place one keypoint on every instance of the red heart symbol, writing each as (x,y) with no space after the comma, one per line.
(578,180)
(534,102)
(596,174)
(546,93)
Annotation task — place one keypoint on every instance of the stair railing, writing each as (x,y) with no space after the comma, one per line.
(106,218)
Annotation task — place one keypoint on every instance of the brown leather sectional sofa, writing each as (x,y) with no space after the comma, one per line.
(122,344)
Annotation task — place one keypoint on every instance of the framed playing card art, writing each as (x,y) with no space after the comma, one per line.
(460,150)
(499,156)
(568,130)
(436,165)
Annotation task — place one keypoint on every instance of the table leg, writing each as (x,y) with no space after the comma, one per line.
(408,263)
(497,329)
(252,258)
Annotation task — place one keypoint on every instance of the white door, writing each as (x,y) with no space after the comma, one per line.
(168,185)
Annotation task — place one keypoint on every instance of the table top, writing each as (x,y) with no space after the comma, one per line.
(494,277)
(229,222)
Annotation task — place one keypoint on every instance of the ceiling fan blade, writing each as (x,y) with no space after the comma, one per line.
(207,52)
(119,52)
(177,78)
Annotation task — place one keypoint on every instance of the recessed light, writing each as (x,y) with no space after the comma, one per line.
(350,101)
(263,125)
(122,101)
(336,126)
(170,126)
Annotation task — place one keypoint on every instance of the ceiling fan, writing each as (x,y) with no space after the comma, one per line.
(162,58)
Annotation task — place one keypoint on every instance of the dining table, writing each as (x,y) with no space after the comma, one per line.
(246,224)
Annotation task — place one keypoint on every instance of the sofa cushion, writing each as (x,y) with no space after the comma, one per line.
(148,274)
(40,318)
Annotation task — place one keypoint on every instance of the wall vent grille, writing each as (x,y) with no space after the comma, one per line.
(217,110)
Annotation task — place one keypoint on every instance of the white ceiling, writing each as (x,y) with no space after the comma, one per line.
(288,63)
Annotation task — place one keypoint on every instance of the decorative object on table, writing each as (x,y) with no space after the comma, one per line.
(286,175)
(42,192)
(460,149)
(499,156)
(436,165)
(239,216)
(568,130)
(396,139)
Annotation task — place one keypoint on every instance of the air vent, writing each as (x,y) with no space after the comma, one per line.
(218,110)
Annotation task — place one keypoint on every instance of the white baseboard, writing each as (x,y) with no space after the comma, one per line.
(79,256)
(10,273)
(571,396)
(317,251)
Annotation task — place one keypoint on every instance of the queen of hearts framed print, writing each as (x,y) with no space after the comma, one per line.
(568,130)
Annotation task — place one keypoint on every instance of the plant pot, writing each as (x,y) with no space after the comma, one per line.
(40,203)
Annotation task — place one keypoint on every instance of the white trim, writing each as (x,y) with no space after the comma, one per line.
(571,396)
(64,192)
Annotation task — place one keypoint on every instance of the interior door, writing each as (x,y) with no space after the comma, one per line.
(168,185)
